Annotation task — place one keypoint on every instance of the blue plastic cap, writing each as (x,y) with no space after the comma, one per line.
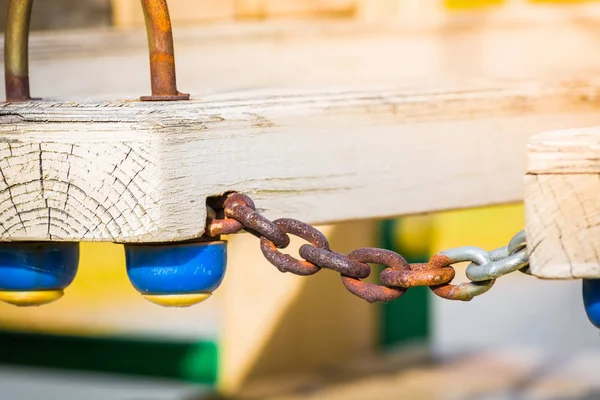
(591,300)
(40,266)
(169,269)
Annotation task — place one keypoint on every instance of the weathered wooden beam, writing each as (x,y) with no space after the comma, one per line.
(403,121)
(130,171)
(562,203)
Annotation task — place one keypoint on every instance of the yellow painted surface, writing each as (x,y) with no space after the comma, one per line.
(488,228)
(468,4)
(413,233)
(562,1)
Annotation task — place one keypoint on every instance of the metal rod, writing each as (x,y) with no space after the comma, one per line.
(162,55)
(16,62)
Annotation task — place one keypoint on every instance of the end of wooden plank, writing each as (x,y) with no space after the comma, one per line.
(562,203)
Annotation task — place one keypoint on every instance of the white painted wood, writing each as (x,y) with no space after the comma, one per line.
(562,200)
(129,171)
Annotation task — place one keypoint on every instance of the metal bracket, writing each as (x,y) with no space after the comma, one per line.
(160,45)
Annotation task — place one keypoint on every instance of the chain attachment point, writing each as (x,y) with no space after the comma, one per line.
(241,208)
(240,213)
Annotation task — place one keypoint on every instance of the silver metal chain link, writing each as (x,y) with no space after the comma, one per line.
(504,260)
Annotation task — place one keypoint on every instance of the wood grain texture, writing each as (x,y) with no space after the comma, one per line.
(562,204)
(573,151)
(129,171)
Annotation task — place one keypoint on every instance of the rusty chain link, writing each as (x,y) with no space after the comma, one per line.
(236,212)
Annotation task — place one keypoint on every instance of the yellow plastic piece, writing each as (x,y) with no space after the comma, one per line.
(472,4)
(177,300)
(28,299)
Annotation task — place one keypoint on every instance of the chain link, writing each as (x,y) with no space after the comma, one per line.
(465,291)
(287,263)
(236,212)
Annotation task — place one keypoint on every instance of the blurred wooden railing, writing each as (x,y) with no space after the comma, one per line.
(127,13)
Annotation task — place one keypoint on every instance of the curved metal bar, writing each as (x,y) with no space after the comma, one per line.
(16,47)
(162,56)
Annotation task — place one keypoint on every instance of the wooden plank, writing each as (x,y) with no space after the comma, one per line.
(130,171)
(240,56)
(128,13)
(563,204)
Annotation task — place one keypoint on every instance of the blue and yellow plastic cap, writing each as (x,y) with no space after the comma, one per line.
(176,275)
(32,274)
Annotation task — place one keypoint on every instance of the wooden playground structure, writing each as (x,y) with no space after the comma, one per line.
(337,113)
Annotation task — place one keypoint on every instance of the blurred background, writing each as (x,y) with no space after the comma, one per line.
(524,339)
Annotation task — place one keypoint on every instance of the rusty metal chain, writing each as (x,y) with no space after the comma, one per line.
(236,212)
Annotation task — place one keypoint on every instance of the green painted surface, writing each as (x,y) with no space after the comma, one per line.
(188,361)
(406,319)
